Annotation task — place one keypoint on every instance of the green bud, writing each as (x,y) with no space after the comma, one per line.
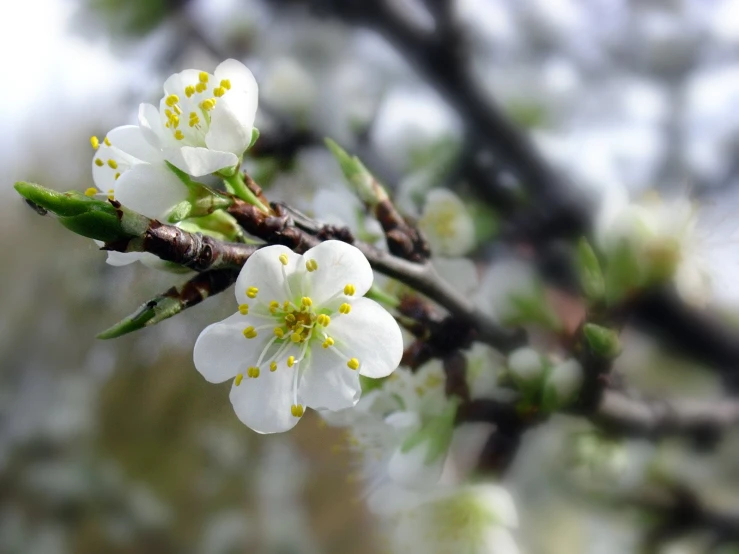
(358,176)
(591,275)
(624,273)
(602,341)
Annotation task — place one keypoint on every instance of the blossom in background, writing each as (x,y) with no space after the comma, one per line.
(127,168)
(447,224)
(474,519)
(660,235)
(302,336)
(205,122)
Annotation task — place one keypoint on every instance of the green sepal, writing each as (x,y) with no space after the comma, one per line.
(357,175)
(368,383)
(624,274)
(591,275)
(602,341)
(436,432)
(254,137)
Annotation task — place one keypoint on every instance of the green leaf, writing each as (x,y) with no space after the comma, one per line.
(591,275)
(602,341)
(358,176)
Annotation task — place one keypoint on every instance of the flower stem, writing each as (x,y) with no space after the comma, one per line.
(236,181)
(379,295)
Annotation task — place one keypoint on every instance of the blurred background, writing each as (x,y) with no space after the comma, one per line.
(120,446)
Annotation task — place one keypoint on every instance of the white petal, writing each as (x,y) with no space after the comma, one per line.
(222,351)
(264,270)
(447,224)
(118,259)
(151,190)
(499,541)
(199,161)
(327,383)
(460,272)
(103,176)
(339,264)
(525,364)
(176,83)
(151,125)
(264,404)
(410,468)
(231,124)
(241,78)
(498,502)
(370,334)
(130,139)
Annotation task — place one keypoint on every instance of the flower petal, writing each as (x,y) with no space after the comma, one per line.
(151,190)
(231,124)
(264,404)
(339,264)
(222,351)
(263,270)
(327,383)
(151,125)
(199,161)
(370,334)
(176,83)
(410,468)
(130,139)
(241,78)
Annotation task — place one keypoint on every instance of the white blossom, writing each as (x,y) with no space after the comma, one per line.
(289,87)
(564,381)
(447,224)
(205,121)
(128,169)
(526,365)
(302,336)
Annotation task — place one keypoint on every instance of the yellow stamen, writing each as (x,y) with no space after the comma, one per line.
(179,135)
(106,141)
(207,105)
(353,364)
(323,320)
(116,176)
(283,259)
(251,292)
(311,265)
(297,410)
(92,191)
(349,290)
(95,143)
(177,110)
(328,342)
(189,90)
(200,87)
(219,91)
(253,372)
(274,306)
(243,309)
(279,332)
(99,162)
(306,301)
(112,164)
(238,379)
(171,100)
(203,77)
(290,361)
(225,83)
(249,332)
(273,366)
(345,308)
(295,337)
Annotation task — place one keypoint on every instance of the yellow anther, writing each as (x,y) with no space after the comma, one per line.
(306,301)
(345,308)
(113,164)
(171,100)
(295,337)
(290,361)
(174,120)
(253,372)
(283,259)
(116,176)
(92,191)
(106,140)
(225,83)
(179,135)
(328,342)
(238,379)
(177,110)
(200,87)
(208,104)
(311,265)
(349,290)
(286,305)
(297,410)
(243,309)
(323,320)
(189,90)
(219,91)
(251,292)
(99,162)
(273,366)
(203,77)
(290,318)
(279,332)
(95,143)
(353,364)
(111,196)
(250,332)
(274,306)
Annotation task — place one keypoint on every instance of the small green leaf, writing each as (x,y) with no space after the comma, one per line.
(591,275)
(602,341)
(358,176)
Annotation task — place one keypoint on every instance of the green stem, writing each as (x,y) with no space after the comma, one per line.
(236,181)
(379,295)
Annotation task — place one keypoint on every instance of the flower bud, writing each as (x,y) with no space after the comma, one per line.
(562,384)
(526,366)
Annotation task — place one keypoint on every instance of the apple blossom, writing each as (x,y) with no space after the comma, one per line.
(302,336)
(205,122)
(127,168)
(447,224)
